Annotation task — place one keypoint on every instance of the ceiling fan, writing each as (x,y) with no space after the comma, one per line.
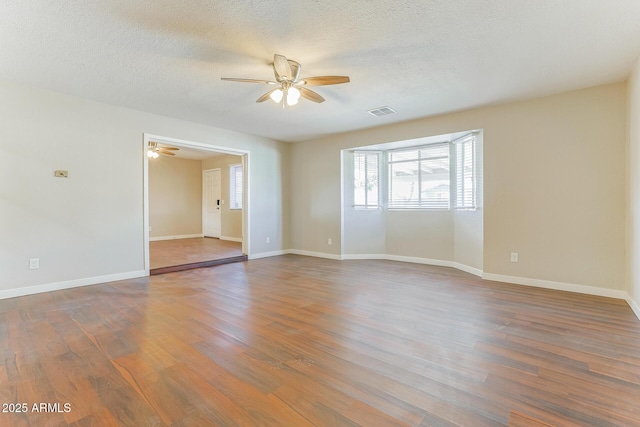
(154,150)
(289,87)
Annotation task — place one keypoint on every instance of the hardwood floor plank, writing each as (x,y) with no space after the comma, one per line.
(101,418)
(313,404)
(517,419)
(146,381)
(616,369)
(70,385)
(4,379)
(265,410)
(373,397)
(206,399)
(124,404)
(167,253)
(241,367)
(600,392)
(433,397)
(295,340)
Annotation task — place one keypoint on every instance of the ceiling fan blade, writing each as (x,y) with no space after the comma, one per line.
(282,68)
(166,153)
(324,80)
(310,95)
(232,79)
(295,69)
(267,95)
(156,146)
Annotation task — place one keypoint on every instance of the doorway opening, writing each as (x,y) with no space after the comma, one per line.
(193,216)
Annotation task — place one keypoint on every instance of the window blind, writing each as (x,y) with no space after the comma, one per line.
(465,172)
(235,188)
(366,171)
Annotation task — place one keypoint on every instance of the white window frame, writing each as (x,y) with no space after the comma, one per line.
(466,175)
(367,204)
(235,188)
(420,204)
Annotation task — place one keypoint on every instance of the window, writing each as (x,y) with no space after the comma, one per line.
(235,187)
(419,177)
(465,172)
(366,171)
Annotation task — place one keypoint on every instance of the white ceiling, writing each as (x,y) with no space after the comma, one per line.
(193,153)
(422,58)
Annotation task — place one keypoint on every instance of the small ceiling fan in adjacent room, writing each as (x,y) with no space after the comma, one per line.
(154,150)
(289,87)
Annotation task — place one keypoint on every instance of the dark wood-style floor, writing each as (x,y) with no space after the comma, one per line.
(164,253)
(167,256)
(300,341)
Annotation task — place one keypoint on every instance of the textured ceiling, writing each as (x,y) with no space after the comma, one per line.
(422,58)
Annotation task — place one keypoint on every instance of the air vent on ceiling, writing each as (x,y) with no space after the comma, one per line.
(381,111)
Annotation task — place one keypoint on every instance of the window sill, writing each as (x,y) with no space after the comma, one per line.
(366,208)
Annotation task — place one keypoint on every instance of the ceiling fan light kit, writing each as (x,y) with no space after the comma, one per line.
(290,87)
(154,150)
(276,95)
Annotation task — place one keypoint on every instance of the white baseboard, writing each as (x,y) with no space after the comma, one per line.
(295,252)
(467,269)
(418,260)
(363,256)
(57,286)
(559,286)
(634,306)
(181,236)
(231,239)
(268,254)
(316,254)
(388,257)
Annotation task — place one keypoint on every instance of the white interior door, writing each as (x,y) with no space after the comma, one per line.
(211,194)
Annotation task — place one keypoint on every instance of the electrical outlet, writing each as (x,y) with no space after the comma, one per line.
(268,239)
(514,256)
(329,242)
(34,263)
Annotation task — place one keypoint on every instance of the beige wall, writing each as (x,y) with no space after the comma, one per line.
(420,234)
(554,188)
(553,184)
(89,227)
(231,219)
(175,197)
(633,189)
